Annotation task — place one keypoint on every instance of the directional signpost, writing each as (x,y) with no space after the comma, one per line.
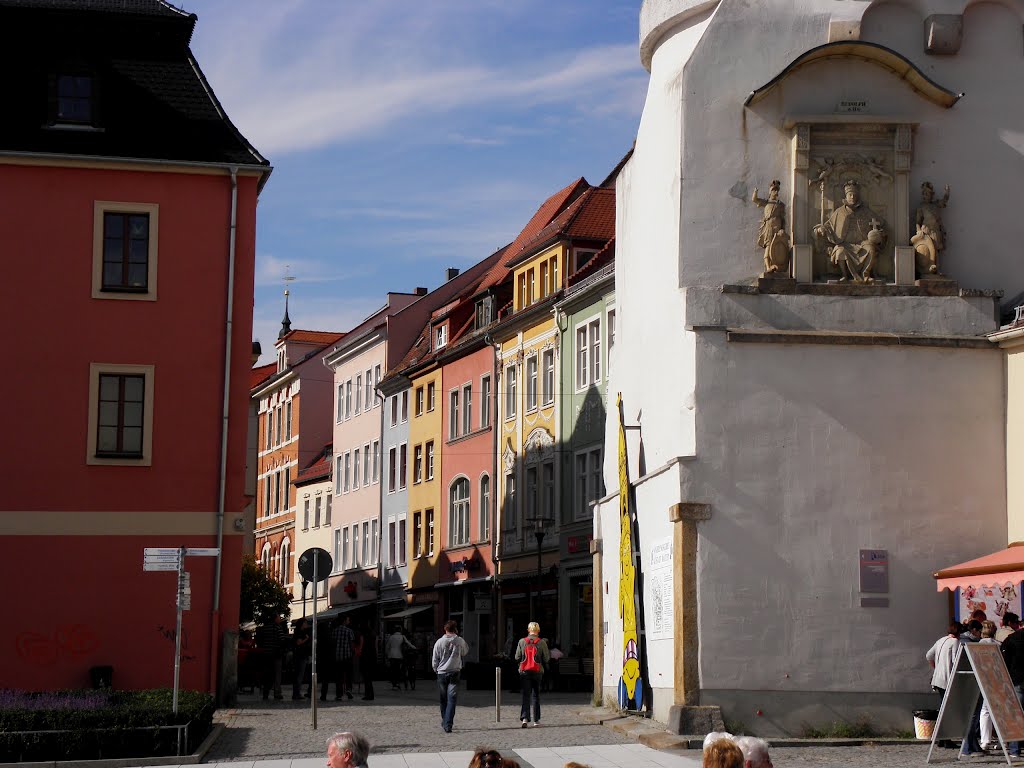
(173,559)
(315,565)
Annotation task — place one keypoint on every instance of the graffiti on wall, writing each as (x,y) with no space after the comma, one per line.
(43,649)
(631,690)
(167,633)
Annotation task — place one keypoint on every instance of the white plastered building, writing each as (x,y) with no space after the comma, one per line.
(790,426)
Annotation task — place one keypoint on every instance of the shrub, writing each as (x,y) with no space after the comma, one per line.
(98,724)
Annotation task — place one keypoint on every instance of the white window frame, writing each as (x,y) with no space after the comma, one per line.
(467,408)
(403,466)
(453,413)
(428,454)
(346,483)
(359,393)
(587,483)
(458,512)
(441,336)
(531,382)
(318,510)
(587,352)
(355,469)
(548,376)
(485,507)
(485,401)
(510,392)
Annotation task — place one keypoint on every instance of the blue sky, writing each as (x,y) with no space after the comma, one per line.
(407,137)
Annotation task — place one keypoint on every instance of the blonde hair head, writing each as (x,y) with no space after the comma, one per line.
(533,628)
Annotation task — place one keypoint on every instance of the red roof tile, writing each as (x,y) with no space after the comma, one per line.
(313,337)
(318,469)
(548,210)
(590,217)
(258,375)
(602,258)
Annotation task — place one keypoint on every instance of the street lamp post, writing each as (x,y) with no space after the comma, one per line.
(538,525)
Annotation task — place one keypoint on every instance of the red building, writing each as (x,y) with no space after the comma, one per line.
(127,221)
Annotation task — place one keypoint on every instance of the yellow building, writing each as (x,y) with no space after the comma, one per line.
(529,474)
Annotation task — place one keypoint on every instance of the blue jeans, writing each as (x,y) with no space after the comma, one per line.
(531,691)
(1014,747)
(448,690)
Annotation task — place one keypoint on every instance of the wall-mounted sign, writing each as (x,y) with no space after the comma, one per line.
(874,570)
(853,105)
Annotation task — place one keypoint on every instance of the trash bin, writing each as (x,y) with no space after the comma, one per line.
(924,723)
(101,677)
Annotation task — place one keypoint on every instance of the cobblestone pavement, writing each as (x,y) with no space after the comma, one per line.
(405,731)
(401,722)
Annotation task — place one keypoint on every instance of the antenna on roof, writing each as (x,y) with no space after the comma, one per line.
(286,323)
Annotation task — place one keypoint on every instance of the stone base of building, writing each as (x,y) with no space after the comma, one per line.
(685,720)
(793,713)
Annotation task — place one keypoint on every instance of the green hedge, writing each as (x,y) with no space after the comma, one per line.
(99,724)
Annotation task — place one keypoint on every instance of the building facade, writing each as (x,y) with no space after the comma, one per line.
(147,199)
(805,281)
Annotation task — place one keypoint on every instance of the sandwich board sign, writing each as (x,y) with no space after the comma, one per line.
(979,670)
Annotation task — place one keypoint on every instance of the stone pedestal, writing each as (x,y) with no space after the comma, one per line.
(774,283)
(938,285)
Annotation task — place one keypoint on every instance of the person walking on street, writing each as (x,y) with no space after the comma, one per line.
(533,656)
(303,641)
(344,651)
(270,639)
(446,661)
(394,651)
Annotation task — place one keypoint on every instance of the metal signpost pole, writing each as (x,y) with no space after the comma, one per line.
(177,631)
(312,680)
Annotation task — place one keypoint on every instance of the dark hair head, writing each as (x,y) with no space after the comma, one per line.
(974,625)
(451,626)
(1011,619)
(955,627)
(485,758)
(979,615)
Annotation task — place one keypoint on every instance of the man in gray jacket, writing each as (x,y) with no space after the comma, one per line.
(449,651)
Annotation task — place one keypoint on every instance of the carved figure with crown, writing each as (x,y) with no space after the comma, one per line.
(854,235)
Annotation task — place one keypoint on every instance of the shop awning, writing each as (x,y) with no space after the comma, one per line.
(409,612)
(463,582)
(329,613)
(1003,567)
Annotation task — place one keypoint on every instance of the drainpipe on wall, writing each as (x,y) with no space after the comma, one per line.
(380,512)
(495,591)
(222,483)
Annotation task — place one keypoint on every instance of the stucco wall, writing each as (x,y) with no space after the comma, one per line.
(1015,443)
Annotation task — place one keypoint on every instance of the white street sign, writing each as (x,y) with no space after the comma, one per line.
(159,566)
(186,603)
(161,551)
(203,551)
(160,560)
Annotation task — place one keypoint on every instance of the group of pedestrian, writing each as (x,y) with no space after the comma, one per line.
(447,659)
(942,656)
(723,750)
(400,654)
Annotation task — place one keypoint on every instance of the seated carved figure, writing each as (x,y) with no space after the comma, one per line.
(854,235)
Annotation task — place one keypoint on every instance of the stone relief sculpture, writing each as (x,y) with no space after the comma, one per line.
(930,239)
(772,236)
(854,235)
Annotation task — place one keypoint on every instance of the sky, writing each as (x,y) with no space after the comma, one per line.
(411,136)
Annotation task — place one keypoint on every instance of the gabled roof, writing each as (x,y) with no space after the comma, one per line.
(312,337)
(548,210)
(258,375)
(150,99)
(603,258)
(590,217)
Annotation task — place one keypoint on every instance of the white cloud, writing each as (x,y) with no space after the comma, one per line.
(355,70)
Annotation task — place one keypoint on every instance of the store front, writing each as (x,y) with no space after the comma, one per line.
(991,583)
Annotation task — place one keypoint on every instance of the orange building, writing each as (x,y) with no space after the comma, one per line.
(128,220)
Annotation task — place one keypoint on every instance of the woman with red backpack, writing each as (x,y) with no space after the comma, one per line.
(533,657)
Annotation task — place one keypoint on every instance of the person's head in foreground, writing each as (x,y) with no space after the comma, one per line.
(755,752)
(722,754)
(347,750)
(485,758)
(574,764)
(714,736)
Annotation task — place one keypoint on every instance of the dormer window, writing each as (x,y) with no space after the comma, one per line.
(484,312)
(440,336)
(280,360)
(582,257)
(74,99)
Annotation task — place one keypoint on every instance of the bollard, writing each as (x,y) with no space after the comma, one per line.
(497,694)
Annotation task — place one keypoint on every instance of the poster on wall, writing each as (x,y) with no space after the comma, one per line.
(995,601)
(659,575)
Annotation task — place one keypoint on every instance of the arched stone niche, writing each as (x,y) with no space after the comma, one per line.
(850,110)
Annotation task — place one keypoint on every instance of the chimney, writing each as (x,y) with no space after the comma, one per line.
(420,291)
(450,274)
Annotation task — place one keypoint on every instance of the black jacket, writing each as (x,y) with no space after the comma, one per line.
(1013,655)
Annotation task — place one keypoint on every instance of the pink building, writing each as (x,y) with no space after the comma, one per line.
(128,219)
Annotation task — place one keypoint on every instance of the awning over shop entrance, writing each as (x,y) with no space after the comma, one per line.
(329,613)
(409,612)
(1003,567)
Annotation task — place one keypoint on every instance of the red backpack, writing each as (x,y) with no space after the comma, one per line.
(530,662)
